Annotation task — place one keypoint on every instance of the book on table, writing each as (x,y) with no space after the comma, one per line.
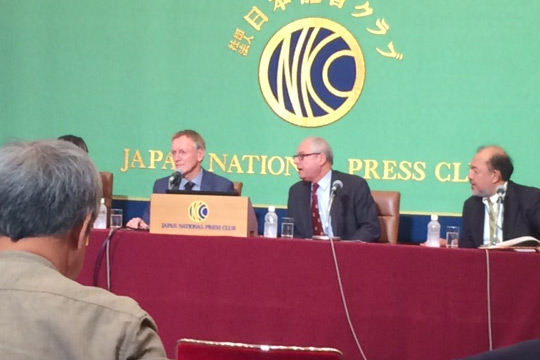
(526,243)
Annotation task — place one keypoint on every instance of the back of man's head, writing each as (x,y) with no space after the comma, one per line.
(79,141)
(46,188)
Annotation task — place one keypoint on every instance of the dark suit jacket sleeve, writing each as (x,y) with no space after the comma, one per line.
(534,215)
(298,207)
(466,239)
(161,185)
(526,350)
(521,211)
(214,182)
(354,212)
(365,212)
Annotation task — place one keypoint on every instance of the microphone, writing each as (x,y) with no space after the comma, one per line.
(174,180)
(336,186)
(500,191)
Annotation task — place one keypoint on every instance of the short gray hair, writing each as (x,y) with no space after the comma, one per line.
(319,145)
(193,135)
(46,188)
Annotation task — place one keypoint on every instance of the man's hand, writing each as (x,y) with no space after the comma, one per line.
(137,223)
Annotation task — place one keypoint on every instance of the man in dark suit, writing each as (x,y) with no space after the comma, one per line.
(525,350)
(353,213)
(499,209)
(188,150)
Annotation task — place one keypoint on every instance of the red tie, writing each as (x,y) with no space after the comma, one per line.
(315,217)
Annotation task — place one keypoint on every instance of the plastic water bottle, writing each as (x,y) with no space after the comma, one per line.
(433,232)
(270,223)
(101,220)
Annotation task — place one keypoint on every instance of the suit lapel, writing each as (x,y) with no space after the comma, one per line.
(206,182)
(334,210)
(478,223)
(305,209)
(510,209)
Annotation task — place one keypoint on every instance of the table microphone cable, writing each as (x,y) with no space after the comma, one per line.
(104,249)
(488,291)
(345,306)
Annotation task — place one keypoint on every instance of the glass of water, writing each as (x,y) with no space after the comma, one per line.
(452,236)
(116,218)
(287,227)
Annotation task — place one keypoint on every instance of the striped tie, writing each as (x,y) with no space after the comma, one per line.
(492,223)
(315,216)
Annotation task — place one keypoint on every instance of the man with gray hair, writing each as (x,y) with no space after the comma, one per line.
(353,212)
(49,198)
(188,150)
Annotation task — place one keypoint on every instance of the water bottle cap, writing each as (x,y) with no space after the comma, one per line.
(102,200)
(272,208)
(434,217)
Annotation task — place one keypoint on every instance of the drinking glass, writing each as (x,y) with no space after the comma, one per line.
(116,218)
(287,227)
(452,236)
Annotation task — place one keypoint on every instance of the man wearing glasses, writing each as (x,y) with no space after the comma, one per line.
(353,213)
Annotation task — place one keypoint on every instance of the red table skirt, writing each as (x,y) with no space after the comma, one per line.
(405,302)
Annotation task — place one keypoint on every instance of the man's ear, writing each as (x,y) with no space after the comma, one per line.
(497,176)
(200,154)
(322,159)
(83,231)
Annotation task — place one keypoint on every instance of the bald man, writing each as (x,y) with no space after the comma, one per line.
(514,209)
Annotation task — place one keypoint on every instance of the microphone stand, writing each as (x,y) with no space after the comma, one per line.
(175,180)
(499,205)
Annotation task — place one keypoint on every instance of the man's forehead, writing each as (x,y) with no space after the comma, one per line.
(182,141)
(305,146)
(480,159)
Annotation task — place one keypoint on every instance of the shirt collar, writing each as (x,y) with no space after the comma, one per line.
(324,183)
(27,256)
(197,180)
(495,197)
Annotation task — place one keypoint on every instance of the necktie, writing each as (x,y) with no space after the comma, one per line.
(492,223)
(315,216)
(189,185)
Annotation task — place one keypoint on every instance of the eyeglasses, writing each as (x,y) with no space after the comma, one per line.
(301,157)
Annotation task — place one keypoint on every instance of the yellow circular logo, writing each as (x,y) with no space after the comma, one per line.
(312,72)
(198,211)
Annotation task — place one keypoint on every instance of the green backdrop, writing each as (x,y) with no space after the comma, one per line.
(125,75)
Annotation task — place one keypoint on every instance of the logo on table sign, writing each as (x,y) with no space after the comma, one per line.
(198,211)
(312,72)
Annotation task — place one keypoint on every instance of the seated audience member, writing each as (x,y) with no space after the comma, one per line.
(498,209)
(75,140)
(49,196)
(353,213)
(526,350)
(188,150)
